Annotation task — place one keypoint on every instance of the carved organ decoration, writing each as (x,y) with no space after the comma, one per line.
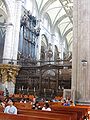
(28,36)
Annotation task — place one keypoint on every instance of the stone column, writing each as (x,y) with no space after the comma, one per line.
(53,46)
(39,44)
(17,28)
(7,53)
(8,75)
(61,50)
(81,51)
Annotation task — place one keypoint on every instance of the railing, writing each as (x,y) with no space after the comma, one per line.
(33,62)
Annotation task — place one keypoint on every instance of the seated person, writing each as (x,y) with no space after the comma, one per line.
(22,101)
(46,107)
(66,103)
(36,106)
(2,104)
(10,109)
(71,103)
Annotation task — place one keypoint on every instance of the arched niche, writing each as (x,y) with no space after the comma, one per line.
(56,53)
(48,79)
(44,46)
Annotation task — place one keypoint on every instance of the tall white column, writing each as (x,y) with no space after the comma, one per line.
(8,45)
(81,51)
(61,50)
(17,28)
(53,46)
(39,44)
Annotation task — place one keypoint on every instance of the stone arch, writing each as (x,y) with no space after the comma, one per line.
(3,13)
(36,7)
(6,3)
(46,16)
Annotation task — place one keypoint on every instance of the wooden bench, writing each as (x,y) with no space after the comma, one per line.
(4,116)
(81,112)
(48,114)
(23,106)
(51,114)
(85,106)
(58,112)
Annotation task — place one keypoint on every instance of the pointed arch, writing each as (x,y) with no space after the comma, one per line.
(6,3)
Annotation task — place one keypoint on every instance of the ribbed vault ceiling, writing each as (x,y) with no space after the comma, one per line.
(60,12)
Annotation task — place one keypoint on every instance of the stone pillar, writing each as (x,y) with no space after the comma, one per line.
(17,28)
(81,51)
(61,50)
(53,46)
(8,75)
(8,45)
(39,45)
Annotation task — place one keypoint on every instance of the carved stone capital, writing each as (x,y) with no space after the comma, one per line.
(9,72)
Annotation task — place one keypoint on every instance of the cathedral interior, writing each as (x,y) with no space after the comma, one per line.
(40,50)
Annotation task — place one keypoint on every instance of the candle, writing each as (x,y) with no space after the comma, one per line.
(34,89)
(44,90)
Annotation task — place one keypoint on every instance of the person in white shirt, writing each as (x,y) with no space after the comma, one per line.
(10,109)
(46,107)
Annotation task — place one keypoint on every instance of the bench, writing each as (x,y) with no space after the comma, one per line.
(4,116)
(81,112)
(23,106)
(87,107)
(51,114)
